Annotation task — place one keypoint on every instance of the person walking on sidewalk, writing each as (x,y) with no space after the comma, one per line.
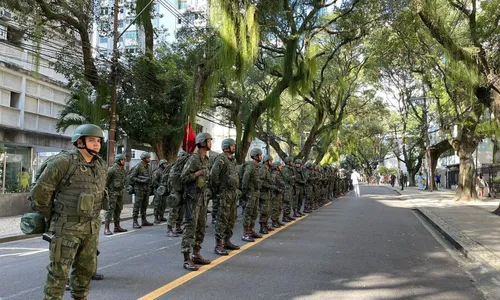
(355,182)
(420,181)
(115,183)
(438,181)
(71,199)
(481,184)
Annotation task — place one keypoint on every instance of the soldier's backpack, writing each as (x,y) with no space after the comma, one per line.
(241,170)
(174,178)
(34,222)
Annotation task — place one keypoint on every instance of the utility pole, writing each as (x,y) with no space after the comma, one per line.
(114,96)
(430,172)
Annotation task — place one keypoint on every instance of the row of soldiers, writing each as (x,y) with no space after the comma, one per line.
(266,190)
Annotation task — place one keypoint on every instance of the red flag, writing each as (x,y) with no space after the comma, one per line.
(188,141)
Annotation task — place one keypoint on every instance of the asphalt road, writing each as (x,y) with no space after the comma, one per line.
(357,248)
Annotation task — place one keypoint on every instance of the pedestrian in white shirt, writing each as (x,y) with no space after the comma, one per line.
(355,182)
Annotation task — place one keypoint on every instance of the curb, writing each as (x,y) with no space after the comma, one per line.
(469,248)
(14,238)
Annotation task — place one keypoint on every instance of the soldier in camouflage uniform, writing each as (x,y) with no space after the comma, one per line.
(141,178)
(265,194)
(174,200)
(289,177)
(309,195)
(300,183)
(225,183)
(159,201)
(73,214)
(116,184)
(251,190)
(195,176)
(212,155)
(277,196)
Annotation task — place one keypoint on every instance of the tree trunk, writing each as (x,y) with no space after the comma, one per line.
(466,189)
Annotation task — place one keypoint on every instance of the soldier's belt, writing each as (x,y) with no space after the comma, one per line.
(78,219)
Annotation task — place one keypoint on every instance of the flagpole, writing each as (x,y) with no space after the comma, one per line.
(187,136)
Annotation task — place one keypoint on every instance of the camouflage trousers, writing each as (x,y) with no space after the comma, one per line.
(71,249)
(287,200)
(226,217)
(265,206)
(176,213)
(141,203)
(299,197)
(115,207)
(195,219)
(160,203)
(309,195)
(251,208)
(276,206)
(215,207)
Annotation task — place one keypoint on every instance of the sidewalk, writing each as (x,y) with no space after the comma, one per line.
(469,226)
(10,230)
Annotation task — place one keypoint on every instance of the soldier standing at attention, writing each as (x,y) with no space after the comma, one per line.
(251,190)
(194,177)
(277,197)
(289,176)
(225,183)
(159,200)
(74,212)
(265,194)
(115,183)
(299,188)
(141,176)
(174,200)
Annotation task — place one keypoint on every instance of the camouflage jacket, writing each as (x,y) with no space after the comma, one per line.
(279,181)
(289,175)
(140,172)
(115,181)
(251,179)
(265,178)
(194,164)
(223,174)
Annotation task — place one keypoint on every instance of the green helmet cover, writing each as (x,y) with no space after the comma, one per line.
(181,153)
(119,156)
(267,157)
(255,152)
(162,161)
(298,161)
(227,142)
(145,155)
(276,164)
(86,130)
(288,159)
(202,136)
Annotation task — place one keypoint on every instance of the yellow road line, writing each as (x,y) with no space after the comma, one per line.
(181,280)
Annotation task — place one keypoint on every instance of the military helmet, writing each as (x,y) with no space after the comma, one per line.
(181,153)
(267,157)
(145,155)
(119,156)
(288,159)
(227,142)
(86,130)
(162,161)
(255,152)
(276,164)
(298,161)
(202,137)
(307,165)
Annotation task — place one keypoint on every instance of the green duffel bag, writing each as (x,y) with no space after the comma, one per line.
(32,223)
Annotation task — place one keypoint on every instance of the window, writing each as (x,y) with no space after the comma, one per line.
(104,11)
(130,35)
(133,154)
(103,40)
(14,100)
(179,21)
(3,33)
(120,23)
(15,36)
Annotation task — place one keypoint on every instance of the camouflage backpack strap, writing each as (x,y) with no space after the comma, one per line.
(73,165)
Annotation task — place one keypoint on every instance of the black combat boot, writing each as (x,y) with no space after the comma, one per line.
(197,258)
(162,218)
(135,224)
(171,233)
(219,249)
(275,224)
(228,245)
(145,222)
(179,229)
(189,264)
(118,228)
(263,228)
(156,221)
(247,235)
(97,276)
(106,229)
